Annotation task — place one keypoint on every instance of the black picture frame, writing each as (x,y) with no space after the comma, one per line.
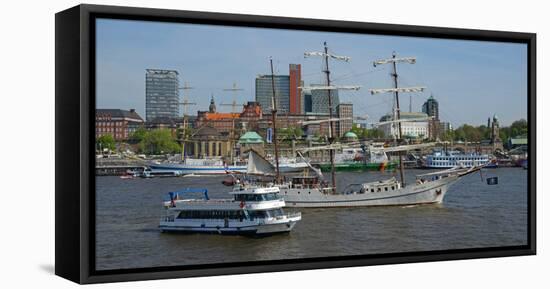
(75,106)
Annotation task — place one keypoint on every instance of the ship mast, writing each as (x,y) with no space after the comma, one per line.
(274,122)
(396,89)
(185,105)
(233,105)
(326,55)
(330,124)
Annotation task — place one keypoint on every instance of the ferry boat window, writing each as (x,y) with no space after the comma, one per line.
(372,190)
(256,198)
(386,189)
(257,214)
(233,214)
(392,187)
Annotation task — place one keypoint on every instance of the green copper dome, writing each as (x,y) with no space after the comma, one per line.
(251,137)
(350,134)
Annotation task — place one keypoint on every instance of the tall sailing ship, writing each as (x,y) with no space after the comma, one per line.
(313,191)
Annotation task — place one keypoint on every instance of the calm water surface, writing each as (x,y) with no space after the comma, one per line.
(472,215)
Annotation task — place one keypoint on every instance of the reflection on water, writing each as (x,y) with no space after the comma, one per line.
(472,215)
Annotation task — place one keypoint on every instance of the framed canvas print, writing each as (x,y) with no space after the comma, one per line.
(195,144)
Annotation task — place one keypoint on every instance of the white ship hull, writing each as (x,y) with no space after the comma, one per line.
(197,170)
(282,225)
(426,193)
(185,169)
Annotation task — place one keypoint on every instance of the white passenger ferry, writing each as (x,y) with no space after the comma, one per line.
(255,211)
(452,159)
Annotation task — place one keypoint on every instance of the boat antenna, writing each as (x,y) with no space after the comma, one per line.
(274,122)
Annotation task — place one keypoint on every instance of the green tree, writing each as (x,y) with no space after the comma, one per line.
(374,133)
(449,135)
(360,132)
(459,134)
(138,135)
(105,142)
(470,133)
(158,141)
(518,128)
(293,132)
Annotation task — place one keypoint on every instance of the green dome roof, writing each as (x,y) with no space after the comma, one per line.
(251,137)
(350,134)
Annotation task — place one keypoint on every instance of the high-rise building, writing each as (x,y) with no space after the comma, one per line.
(308,105)
(161,94)
(295,101)
(345,113)
(320,101)
(431,107)
(264,92)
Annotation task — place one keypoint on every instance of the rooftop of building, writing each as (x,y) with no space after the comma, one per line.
(120,113)
(405,115)
(350,134)
(274,76)
(161,71)
(519,141)
(220,115)
(251,137)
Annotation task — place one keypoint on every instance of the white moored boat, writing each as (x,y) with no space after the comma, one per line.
(451,159)
(255,211)
(217,166)
(214,166)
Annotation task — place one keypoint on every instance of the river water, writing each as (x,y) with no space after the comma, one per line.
(472,215)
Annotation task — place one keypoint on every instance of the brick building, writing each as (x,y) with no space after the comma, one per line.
(223,122)
(118,123)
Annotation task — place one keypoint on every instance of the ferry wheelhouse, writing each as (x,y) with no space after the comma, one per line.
(455,159)
(255,211)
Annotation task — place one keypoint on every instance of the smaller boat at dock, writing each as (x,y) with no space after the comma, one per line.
(439,160)
(251,211)
(357,160)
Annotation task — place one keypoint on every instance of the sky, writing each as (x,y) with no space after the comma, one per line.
(472,80)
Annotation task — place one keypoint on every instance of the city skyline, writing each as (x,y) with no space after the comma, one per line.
(470,79)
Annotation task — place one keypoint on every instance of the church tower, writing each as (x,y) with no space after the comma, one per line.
(212,107)
(495,134)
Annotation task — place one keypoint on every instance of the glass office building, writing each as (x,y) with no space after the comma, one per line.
(319,100)
(161,94)
(264,92)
